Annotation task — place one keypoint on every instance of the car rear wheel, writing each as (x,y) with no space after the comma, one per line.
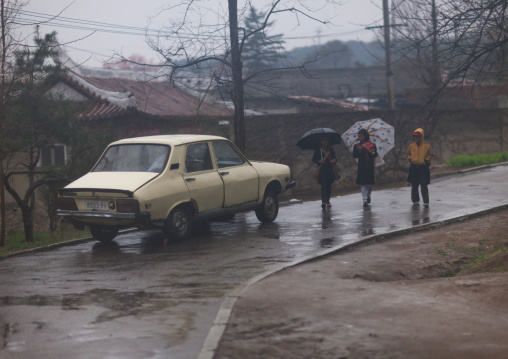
(269,209)
(178,225)
(103,233)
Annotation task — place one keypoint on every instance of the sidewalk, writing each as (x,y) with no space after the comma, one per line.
(377,299)
(389,299)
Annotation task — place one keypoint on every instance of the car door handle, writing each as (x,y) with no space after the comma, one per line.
(190,179)
(223,173)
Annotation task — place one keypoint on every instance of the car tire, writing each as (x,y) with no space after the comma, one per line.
(178,225)
(269,208)
(102,233)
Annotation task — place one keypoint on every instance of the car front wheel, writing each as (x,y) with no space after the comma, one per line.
(269,208)
(103,233)
(178,224)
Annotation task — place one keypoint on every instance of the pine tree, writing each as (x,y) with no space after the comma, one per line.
(260,51)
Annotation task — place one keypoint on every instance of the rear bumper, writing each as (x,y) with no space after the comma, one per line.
(90,216)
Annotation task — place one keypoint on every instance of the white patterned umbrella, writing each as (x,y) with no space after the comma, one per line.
(381,134)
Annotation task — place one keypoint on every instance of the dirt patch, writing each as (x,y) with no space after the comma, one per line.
(435,294)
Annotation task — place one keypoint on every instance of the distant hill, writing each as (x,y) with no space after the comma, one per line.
(338,54)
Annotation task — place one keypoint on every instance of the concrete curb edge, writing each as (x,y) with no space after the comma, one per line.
(221,320)
(50,247)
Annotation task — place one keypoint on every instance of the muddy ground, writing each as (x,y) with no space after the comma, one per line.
(441,293)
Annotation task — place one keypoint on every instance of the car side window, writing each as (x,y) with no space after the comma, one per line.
(198,158)
(226,155)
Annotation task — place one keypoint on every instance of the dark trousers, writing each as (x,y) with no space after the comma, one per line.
(326,192)
(414,192)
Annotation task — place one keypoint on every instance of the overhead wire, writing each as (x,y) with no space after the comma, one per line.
(32,18)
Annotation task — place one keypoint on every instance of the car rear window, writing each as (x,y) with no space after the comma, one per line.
(134,158)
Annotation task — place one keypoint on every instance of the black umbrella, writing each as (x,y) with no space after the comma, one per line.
(312,140)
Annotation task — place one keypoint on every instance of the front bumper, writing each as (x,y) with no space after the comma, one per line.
(291,184)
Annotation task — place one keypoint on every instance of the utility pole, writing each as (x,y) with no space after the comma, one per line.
(388,53)
(368,96)
(436,76)
(236,64)
(388,56)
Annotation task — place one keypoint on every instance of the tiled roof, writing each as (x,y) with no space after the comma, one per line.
(112,97)
(160,98)
(102,110)
(329,102)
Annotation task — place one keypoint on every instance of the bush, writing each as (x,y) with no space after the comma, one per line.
(477,160)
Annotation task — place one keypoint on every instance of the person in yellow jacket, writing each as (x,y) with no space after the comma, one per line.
(420,154)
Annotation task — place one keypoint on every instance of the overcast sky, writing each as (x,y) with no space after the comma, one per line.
(348,22)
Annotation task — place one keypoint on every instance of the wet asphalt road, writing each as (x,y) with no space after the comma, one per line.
(139,298)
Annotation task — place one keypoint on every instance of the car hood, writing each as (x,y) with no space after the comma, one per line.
(124,181)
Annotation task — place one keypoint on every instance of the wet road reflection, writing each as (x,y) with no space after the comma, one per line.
(140,297)
(368,222)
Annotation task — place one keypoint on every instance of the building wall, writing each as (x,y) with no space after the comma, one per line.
(274,138)
(67,93)
(338,83)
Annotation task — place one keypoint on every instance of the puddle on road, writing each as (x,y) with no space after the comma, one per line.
(328,242)
(126,303)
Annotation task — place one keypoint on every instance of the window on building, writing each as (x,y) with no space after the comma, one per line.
(53,155)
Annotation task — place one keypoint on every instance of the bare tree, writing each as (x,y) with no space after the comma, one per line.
(217,46)
(9,10)
(452,40)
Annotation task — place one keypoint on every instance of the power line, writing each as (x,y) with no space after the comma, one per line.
(31,18)
(338,34)
(87,51)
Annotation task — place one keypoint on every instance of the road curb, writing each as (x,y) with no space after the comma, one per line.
(50,247)
(467,170)
(219,325)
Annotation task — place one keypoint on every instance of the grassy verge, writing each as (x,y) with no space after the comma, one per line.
(490,255)
(64,233)
(477,160)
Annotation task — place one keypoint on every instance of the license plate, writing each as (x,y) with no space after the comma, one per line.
(96,205)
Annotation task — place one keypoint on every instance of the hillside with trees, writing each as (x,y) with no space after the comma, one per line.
(339,54)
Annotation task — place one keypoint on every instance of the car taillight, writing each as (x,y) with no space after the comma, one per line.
(67,204)
(127,205)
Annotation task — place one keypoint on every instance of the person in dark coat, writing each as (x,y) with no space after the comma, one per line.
(324,157)
(365,151)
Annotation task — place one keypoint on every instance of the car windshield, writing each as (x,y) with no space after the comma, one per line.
(134,158)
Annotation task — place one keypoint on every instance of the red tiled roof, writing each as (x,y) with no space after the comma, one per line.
(477,91)
(329,102)
(102,110)
(160,99)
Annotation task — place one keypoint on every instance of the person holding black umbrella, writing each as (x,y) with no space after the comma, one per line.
(321,140)
(324,157)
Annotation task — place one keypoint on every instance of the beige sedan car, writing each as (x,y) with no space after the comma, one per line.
(167,182)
